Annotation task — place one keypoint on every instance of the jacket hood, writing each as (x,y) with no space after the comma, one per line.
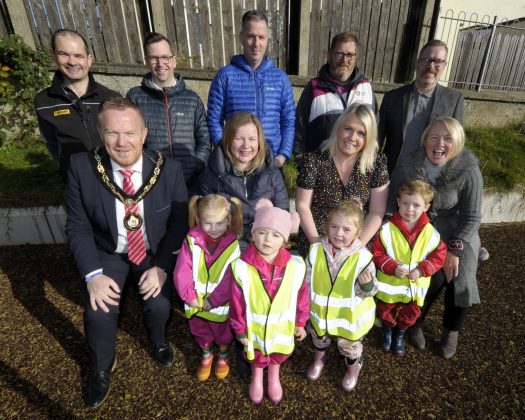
(356,77)
(149,84)
(240,62)
(220,165)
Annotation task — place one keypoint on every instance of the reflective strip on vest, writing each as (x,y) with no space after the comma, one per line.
(270,323)
(335,309)
(207,279)
(395,290)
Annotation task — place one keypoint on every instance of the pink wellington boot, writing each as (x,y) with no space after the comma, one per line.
(275,390)
(352,373)
(315,369)
(256,390)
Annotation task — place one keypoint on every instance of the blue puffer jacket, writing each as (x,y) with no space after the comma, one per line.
(265,92)
(220,177)
(176,122)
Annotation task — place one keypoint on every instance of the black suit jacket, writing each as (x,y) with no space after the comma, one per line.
(91,216)
(393,114)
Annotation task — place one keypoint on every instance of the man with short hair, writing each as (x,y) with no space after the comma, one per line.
(339,84)
(405,112)
(67,110)
(126,215)
(253,83)
(175,115)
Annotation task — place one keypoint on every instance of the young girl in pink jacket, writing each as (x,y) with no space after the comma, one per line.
(211,246)
(269,299)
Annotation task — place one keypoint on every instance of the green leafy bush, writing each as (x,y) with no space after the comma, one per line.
(23,73)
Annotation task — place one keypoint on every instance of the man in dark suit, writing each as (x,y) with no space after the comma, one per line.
(406,111)
(126,215)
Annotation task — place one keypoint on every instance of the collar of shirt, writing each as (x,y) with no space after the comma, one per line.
(160,88)
(428,94)
(136,167)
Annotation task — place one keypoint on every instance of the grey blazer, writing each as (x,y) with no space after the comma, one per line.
(393,113)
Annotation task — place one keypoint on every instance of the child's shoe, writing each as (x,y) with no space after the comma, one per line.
(275,389)
(222,368)
(398,344)
(315,369)
(352,373)
(386,342)
(255,390)
(204,369)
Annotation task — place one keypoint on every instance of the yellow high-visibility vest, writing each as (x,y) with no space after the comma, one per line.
(270,324)
(207,279)
(396,290)
(335,309)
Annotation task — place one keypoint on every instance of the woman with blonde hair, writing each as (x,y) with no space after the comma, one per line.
(454,173)
(347,166)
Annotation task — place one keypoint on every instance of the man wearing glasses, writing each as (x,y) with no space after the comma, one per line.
(339,84)
(67,110)
(175,115)
(406,111)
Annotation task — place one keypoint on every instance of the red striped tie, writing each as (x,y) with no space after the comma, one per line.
(136,244)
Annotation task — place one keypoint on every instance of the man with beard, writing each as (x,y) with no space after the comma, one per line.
(406,111)
(339,84)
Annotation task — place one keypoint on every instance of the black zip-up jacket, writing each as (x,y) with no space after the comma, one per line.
(68,123)
(176,121)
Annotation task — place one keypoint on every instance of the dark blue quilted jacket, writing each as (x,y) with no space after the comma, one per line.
(220,177)
(265,92)
(176,121)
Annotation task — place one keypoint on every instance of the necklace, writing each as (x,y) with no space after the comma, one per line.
(132,220)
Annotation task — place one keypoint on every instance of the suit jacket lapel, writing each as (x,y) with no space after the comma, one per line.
(406,103)
(149,205)
(108,201)
(436,103)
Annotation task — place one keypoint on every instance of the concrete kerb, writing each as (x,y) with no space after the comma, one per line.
(45,225)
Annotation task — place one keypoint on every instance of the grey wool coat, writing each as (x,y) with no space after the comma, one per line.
(455,211)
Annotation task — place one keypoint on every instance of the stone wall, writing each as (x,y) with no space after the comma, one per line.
(485,108)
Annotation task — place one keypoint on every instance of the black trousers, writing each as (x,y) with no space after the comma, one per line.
(101,328)
(454,316)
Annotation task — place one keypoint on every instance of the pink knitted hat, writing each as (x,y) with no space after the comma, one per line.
(267,216)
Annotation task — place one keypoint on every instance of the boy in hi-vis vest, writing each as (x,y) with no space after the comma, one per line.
(269,298)
(407,252)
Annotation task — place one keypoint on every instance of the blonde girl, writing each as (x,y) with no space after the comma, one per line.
(211,245)
(342,283)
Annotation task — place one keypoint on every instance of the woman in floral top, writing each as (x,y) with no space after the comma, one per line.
(348,166)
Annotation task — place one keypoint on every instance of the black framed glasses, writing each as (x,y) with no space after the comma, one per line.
(436,61)
(344,56)
(164,59)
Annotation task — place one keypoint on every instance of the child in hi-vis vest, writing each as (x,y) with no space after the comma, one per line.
(269,298)
(407,251)
(211,246)
(342,283)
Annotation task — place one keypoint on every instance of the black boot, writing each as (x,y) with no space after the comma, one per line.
(386,342)
(399,343)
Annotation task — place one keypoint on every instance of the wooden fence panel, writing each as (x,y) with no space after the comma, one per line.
(364,27)
(97,41)
(478,50)
(381,52)
(115,53)
(500,60)
(314,44)
(219,58)
(399,35)
(372,39)
(518,75)
(42,34)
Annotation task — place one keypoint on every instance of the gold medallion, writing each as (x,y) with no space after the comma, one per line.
(133,221)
